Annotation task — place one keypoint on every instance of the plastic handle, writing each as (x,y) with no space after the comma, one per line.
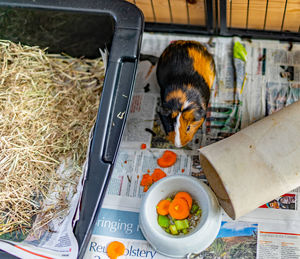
(113,109)
(116,95)
(119,112)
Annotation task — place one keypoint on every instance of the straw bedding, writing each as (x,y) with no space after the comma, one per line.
(48,105)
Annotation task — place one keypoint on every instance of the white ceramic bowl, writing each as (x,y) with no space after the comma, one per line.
(195,241)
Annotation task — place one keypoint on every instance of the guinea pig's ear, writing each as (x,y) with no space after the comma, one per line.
(201,111)
(199,114)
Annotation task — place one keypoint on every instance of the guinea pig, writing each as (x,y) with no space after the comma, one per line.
(185,73)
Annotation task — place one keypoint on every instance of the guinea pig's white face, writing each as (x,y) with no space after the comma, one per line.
(185,128)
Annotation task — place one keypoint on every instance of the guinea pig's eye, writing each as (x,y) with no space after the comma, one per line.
(188,128)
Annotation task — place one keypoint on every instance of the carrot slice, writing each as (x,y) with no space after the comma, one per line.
(158,174)
(162,207)
(115,249)
(143,146)
(167,159)
(146,180)
(146,188)
(179,209)
(186,196)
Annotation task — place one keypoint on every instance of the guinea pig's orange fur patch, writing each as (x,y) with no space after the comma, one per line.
(188,115)
(203,64)
(187,136)
(177,94)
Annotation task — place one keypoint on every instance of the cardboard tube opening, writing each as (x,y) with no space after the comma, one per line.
(217,186)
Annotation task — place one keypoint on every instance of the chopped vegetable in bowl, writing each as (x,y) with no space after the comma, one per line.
(178,214)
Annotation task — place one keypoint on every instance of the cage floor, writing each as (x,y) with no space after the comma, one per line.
(243,92)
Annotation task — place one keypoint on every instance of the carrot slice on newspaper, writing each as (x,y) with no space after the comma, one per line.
(115,249)
(167,159)
(146,180)
(158,174)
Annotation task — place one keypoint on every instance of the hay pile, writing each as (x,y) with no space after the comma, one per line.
(48,105)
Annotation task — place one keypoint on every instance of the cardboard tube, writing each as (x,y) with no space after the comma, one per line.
(257,164)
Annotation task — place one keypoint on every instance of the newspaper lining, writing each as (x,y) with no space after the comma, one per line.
(243,93)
